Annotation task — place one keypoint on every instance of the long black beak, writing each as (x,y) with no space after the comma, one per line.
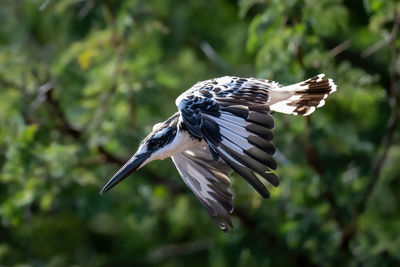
(132,165)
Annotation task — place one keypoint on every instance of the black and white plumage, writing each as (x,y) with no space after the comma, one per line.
(225,124)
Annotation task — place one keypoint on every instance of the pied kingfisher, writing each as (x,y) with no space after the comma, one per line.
(225,124)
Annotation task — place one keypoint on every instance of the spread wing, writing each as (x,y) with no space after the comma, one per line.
(209,181)
(232,116)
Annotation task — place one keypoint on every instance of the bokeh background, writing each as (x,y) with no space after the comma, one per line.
(82,82)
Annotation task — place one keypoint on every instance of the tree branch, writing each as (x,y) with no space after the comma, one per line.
(351,230)
(65,126)
(393,119)
(388,39)
(326,193)
(340,48)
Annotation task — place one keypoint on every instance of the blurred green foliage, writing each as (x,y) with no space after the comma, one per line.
(81,82)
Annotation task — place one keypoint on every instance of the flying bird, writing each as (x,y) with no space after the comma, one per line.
(223,125)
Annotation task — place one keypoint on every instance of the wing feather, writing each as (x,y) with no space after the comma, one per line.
(209,181)
(232,116)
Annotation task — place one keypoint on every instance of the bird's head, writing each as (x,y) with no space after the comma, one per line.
(157,145)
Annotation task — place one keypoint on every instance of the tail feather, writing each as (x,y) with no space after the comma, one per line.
(302,98)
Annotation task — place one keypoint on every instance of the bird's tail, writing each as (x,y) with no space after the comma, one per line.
(301,98)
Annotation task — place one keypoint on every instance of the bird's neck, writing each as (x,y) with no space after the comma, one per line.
(183,141)
(176,141)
